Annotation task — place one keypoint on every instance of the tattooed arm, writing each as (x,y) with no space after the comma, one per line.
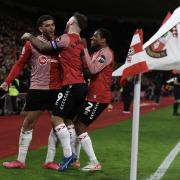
(38,44)
(47,46)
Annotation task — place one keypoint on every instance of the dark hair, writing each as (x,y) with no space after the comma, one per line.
(81,19)
(104,33)
(43,18)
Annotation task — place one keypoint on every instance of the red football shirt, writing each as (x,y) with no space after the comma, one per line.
(70,58)
(45,71)
(101,65)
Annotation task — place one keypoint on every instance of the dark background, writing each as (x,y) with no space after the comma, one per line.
(121,17)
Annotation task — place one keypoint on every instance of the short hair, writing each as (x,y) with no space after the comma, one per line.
(43,18)
(105,33)
(81,19)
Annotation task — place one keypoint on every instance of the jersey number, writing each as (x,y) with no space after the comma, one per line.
(88,108)
(60,95)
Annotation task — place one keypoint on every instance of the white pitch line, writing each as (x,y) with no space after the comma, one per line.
(165,164)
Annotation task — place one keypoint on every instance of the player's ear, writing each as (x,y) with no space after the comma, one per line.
(103,40)
(40,29)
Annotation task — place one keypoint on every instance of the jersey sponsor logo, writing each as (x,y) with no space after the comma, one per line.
(101,59)
(42,60)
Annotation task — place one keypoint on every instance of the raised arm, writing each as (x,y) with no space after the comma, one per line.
(18,66)
(38,44)
(98,62)
(46,46)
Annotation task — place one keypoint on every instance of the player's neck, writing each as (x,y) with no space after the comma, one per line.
(74,30)
(102,46)
(47,38)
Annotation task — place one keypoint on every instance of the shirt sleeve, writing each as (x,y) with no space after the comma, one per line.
(97,63)
(18,66)
(62,41)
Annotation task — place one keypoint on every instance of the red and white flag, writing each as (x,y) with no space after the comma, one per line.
(135,62)
(162,54)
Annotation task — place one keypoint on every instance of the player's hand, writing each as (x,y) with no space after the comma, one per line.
(4,86)
(25,36)
(84,42)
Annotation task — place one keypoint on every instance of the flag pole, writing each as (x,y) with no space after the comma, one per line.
(135,128)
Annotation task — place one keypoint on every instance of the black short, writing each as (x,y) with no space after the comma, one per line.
(40,99)
(69,100)
(90,111)
(177,92)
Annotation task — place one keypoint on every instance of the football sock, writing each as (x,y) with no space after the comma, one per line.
(64,137)
(52,143)
(24,142)
(87,146)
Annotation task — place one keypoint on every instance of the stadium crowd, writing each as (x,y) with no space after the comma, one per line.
(75,100)
(11,46)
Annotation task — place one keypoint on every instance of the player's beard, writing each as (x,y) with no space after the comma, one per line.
(49,34)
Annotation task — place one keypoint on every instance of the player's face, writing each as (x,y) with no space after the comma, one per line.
(96,39)
(48,29)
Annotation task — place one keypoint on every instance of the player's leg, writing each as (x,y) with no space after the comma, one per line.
(34,108)
(24,140)
(75,145)
(52,145)
(66,102)
(64,137)
(52,139)
(88,114)
(60,111)
(86,143)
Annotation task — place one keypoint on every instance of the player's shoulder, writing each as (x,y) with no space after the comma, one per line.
(63,37)
(106,51)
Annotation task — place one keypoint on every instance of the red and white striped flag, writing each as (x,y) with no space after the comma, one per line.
(161,54)
(135,63)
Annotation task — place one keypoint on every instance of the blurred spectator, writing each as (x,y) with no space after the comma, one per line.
(10,47)
(115,89)
(147,87)
(158,81)
(2,102)
(167,90)
(149,92)
(176,95)
(13,93)
(127,91)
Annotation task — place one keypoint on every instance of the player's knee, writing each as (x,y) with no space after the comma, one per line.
(29,123)
(80,127)
(56,120)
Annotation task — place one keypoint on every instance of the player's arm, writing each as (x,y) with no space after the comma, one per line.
(18,66)
(37,43)
(46,47)
(95,65)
